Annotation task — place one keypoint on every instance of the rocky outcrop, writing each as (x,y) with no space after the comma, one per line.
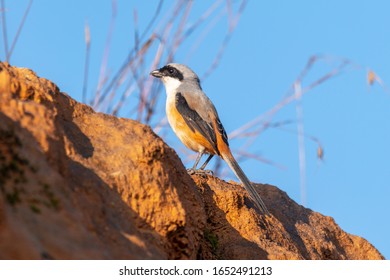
(76,184)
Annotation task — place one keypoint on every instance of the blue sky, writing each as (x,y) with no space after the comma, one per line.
(269,48)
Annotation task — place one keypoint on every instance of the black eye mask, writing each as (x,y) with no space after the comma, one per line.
(171,71)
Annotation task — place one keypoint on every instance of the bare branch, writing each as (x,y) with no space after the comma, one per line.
(264,119)
(4,23)
(26,12)
(102,76)
(226,40)
(86,63)
(301,140)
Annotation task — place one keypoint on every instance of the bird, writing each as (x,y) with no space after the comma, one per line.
(195,121)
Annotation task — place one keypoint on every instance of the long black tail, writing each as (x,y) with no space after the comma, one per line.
(245,181)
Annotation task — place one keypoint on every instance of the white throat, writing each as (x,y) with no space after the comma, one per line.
(171,84)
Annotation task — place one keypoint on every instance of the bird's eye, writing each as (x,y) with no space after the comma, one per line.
(171,70)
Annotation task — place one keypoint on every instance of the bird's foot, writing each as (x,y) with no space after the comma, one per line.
(193,171)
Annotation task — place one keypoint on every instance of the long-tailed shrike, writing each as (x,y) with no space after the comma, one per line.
(195,121)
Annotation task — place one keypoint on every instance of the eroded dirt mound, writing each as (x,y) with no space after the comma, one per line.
(76,184)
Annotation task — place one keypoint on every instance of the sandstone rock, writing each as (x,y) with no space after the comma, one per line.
(76,184)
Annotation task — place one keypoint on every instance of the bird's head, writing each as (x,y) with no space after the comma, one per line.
(174,75)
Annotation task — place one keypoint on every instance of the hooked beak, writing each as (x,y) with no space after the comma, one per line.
(156,73)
